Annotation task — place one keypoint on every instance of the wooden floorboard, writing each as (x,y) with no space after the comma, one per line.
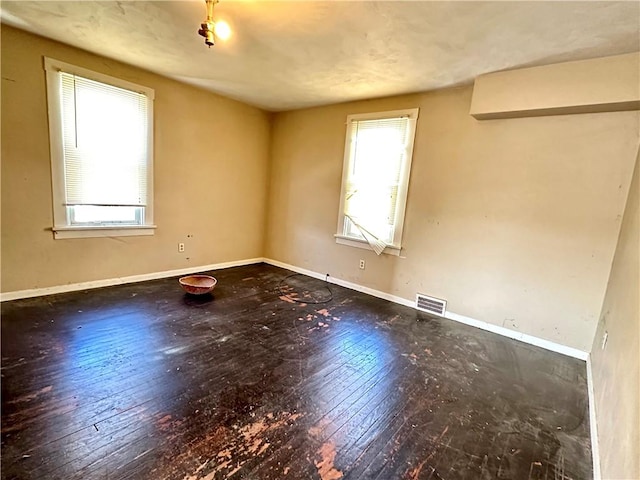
(141,381)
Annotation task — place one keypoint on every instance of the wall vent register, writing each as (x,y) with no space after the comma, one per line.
(432,305)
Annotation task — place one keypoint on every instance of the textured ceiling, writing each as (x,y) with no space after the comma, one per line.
(293,54)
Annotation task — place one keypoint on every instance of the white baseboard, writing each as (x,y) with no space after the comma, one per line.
(108,282)
(506,332)
(523,337)
(342,283)
(593,424)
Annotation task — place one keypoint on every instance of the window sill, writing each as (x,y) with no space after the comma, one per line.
(355,242)
(95,232)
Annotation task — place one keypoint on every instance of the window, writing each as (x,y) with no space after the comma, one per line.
(101,138)
(375,179)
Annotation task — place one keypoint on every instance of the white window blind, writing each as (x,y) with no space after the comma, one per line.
(104,132)
(101,141)
(378,153)
(375,177)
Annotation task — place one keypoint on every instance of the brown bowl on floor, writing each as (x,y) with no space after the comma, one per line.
(198,284)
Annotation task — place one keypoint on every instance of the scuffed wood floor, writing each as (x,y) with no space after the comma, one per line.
(142,382)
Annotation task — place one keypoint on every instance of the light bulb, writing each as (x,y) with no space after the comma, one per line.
(222,30)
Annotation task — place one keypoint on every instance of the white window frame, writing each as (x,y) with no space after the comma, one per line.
(62,227)
(403,187)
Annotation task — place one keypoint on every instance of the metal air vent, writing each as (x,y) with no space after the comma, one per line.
(432,305)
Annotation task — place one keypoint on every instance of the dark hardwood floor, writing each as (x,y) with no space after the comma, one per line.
(141,381)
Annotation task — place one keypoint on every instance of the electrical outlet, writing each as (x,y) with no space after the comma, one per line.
(604,339)
(361,264)
(181,247)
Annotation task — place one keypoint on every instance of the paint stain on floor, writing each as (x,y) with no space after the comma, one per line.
(246,443)
(325,465)
(286,298)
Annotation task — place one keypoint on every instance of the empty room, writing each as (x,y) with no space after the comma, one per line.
(320,240)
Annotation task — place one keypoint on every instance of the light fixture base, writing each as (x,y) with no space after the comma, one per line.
(207,28)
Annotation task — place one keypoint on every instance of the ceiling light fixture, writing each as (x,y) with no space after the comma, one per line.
(210,29)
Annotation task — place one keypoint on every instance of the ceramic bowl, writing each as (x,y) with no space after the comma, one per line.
(198,284)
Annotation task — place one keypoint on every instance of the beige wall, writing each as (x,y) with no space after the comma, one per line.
(616,369)
(211,159)
(607,84)
(514,222)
